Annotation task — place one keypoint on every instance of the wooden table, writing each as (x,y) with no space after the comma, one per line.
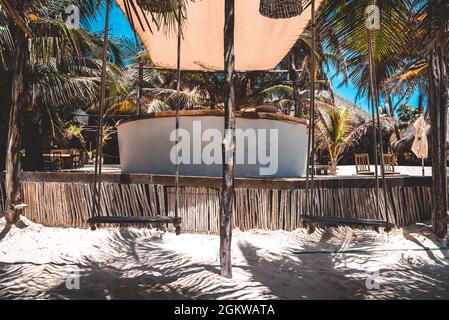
(67,159)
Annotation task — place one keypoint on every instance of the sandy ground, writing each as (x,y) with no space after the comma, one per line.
(39,262)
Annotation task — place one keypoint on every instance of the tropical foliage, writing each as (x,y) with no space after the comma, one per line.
(335,133)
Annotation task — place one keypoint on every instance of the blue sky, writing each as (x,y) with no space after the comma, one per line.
(119,26)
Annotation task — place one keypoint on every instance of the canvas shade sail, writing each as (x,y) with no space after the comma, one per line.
(260,42)
(420,145)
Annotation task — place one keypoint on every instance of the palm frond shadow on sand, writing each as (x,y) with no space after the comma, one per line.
(124,271)
(315,276)
(129,266)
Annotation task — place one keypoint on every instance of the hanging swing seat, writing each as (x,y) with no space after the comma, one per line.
(95,221)
(364,223)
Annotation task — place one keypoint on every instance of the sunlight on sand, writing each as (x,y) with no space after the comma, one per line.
(35,262)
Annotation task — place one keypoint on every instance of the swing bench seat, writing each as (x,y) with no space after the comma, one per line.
(94,221)
(329,221)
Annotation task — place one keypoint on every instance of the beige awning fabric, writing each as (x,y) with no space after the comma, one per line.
(420,146)
(260,42)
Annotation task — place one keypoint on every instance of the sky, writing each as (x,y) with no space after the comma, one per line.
(120,27)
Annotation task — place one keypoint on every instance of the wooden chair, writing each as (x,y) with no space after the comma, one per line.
(362,164)
(390,163)
(47,162)
(56,159)
(76,159)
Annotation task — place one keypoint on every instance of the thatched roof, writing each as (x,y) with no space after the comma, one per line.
(408,136)
(359,115)
(361,118)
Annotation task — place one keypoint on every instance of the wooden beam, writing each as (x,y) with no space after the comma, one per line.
(438,98)
(227,193)
(131,220)
(327,182)
(18,101)
(103,92)
(16,17)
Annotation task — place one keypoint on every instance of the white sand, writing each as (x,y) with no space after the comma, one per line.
(137,264)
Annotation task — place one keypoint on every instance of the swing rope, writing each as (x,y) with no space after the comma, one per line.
(375,111)
(97,218)
(310,176)
(99,153)
(177,223)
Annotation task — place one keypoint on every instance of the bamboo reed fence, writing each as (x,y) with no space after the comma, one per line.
(65,200)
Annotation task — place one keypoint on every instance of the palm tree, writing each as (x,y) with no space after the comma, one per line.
(53,68)
(412,46)
(436,42)
(335,133)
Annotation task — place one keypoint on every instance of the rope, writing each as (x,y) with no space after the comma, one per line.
(178,90)
(374,95)
(310,177)
(140,62)
(99,153)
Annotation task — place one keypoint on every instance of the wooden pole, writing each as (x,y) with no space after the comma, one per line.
(18,101)
(99,153)
(374,95)
(295,80)
(227,193)
(438,102)
(423,168)
(177,224)
(373,115)
(310,176)
(16,17)
(139,90)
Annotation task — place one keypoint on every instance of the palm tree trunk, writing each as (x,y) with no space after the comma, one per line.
(295,79)
(33,160)
(140,89)
(18,100)
(227,193)
(391,111)
(438,97)
(333,167)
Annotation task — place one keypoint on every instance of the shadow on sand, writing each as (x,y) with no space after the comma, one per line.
(134,267)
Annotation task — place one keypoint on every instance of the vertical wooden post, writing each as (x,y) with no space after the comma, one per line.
(99,153)
(438,98)
(227,192)
(139,90)
(177,223)
(295,79)
(18,101)
(310,174)
(377,133)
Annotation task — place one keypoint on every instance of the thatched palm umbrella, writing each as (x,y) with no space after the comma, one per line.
(420,146)
(408,136)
